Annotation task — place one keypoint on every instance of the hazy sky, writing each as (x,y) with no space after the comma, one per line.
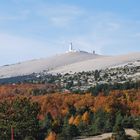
(31,29)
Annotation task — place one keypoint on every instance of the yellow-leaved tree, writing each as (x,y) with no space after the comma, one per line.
(77,120)
(85,117)
(51,136)
(71,120)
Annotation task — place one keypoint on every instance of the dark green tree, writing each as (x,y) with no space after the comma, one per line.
(72,110)
(68,131)
(128,122)
(137,123)
(47,122)
(46,126)
(119,119)
(96,75)
(118,130)
(108,126)
(22,116)
(97,127)
(119,133)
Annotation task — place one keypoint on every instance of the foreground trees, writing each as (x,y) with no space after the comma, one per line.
(67,115)
(21,115)
(119,133)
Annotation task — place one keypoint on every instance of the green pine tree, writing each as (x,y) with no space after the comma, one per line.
(21,115)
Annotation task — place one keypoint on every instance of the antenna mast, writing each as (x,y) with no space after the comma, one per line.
(70,47)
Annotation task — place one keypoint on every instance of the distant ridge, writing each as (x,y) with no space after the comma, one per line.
(98,63)
(73,61)
(47,64)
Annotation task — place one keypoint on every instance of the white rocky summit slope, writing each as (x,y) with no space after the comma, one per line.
(47,64)
(98,63)
(66,63)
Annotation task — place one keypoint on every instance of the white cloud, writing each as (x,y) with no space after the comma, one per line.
(88,31)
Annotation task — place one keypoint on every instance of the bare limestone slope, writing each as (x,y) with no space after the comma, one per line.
(130,132)
(99,63)
(46,64)
(67,63)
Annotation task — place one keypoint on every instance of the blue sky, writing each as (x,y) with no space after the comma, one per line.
(31,29)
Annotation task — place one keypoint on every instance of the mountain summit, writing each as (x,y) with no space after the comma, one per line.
(47,64)
(69,62)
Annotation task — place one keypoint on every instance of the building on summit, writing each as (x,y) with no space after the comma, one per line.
(73,50)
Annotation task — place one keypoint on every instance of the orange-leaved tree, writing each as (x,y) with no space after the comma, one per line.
(51,136)
(85,117)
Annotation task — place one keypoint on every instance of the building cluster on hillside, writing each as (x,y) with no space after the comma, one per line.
(84,80)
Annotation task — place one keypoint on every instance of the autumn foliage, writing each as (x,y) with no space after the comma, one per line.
(51,136)
(128,101)
(69,114)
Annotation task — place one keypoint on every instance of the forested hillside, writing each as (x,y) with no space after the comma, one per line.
(66,115)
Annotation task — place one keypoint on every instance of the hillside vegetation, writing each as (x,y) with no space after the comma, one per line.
(42,106)
(63,116)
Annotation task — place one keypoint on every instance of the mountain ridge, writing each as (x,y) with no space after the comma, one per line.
(47,64)
(65,63)
(100,63)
